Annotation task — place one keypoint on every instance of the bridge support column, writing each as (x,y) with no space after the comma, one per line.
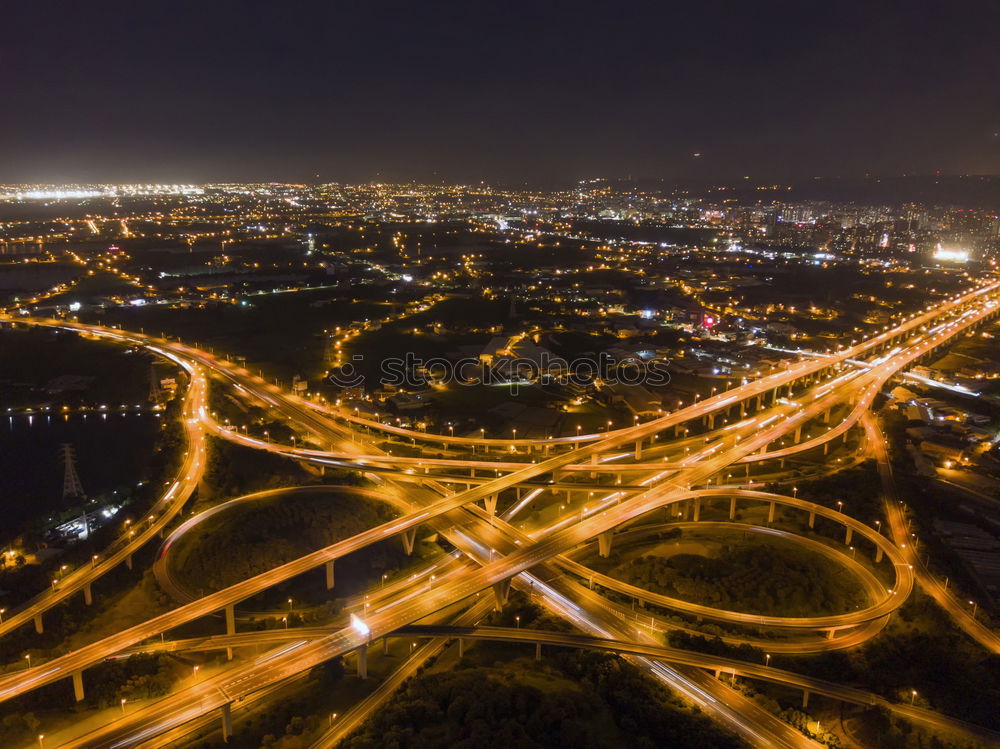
(501,590)
(490,503)
(128,561)
(604,543)
(781,463)
(677,431)
(798,434)
(593,462)
(39,625)
(409,537)
(88,595)
(78,686)
(328,568)
(805,698)
(760,402)
(826,448)
(697,509)
(638,449)
(826,416)
(812,519)
(538,651)
(732,508)
(830,634)
(878,554)
(461,647)
(711,421)
(227,721)
(363,662)
(770,512)
(230,627)
(743,409)
(848,534)
(385,645)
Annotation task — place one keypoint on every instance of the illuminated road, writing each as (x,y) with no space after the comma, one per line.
(955,607)
(516,554)
(170,503)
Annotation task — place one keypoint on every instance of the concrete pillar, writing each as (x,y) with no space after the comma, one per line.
(604,543)
(461,647)
(826,448)
(78,686)
(711,421)
(830,633)
(805,698)
(760,402)
(88,596)
(593,462)
(230,627)
(363,662)
(781,463)
(538,651)
(743,409)
(677,431)
(491,504)
(798,433)
(812,519)
(638,449)
(385,645)
(878,554)
(409,537)
(697,508)
(732,508)
(39,625)
(227,721)
(329,574)
(826,416)
(501,590)
(770,512)
(128,561)
(848,534)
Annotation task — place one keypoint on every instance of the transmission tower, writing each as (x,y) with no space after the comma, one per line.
(71,481)
(154,385)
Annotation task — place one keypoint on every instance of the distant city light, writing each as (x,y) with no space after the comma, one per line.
(951,255)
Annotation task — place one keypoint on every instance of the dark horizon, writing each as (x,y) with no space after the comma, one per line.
(503,92)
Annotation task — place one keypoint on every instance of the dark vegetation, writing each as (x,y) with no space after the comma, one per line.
(757,579)
(571,699)
(920,650)
(272,531)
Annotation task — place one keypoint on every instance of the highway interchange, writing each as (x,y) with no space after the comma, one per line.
(618,477)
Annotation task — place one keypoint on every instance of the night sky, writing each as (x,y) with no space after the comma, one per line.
(513,92)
